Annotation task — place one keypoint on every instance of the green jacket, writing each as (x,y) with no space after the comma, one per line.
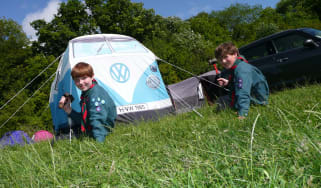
(101,112)
(248,85)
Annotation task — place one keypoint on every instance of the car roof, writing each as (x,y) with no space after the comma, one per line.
(269,37)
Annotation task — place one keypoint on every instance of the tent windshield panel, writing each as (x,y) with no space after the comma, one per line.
(127,46)
(90,48)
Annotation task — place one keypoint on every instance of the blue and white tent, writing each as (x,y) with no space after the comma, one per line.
(125,68)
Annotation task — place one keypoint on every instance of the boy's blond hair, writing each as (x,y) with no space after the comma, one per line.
(227,48)
(82,69)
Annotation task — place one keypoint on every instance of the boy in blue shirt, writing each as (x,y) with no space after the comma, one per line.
(246,82)
(98,111)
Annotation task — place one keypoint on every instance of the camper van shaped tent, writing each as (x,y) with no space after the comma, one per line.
(125,68)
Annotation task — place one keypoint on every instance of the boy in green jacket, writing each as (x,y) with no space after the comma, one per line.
(246,82)
(98,111)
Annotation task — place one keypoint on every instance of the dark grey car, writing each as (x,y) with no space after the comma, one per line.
(287,57)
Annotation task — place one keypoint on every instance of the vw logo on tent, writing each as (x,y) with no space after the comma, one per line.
(119,72)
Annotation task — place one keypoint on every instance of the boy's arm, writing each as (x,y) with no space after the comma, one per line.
(242,84)
(64,103)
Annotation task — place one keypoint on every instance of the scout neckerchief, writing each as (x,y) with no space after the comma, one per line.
(84,113)
(231,77)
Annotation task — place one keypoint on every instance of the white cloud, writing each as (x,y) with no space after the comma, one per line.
(47,14)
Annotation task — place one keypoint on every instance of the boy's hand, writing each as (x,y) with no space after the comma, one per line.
(222,81)
(240,117)
(64,103)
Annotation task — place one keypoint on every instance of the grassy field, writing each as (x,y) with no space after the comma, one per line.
(276,146)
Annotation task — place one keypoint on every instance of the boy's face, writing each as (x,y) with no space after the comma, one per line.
(228,60)
(83,83)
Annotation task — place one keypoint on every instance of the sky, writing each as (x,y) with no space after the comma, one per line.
(26,11)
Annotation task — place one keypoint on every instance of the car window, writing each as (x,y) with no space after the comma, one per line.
(289,42)
(314,32)
(258,51)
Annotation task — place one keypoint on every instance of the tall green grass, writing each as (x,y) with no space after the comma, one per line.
(276,146)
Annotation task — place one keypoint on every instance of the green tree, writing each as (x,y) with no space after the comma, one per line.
(239,20)
(163,50)
(191,52)
(182,47)
(19,67)
(162,44)
(296,14)
(72,20)
(209,28)
(269,22)
(123,17)
(13,52)
(31,105)
(311,7)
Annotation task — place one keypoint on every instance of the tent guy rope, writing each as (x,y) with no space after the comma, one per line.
(28,99)
(30,82)
(193,74)
(184,103)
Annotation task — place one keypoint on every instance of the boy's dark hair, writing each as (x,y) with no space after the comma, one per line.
(82,69)
(227,48)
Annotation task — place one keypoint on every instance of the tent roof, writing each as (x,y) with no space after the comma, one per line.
(106,36)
